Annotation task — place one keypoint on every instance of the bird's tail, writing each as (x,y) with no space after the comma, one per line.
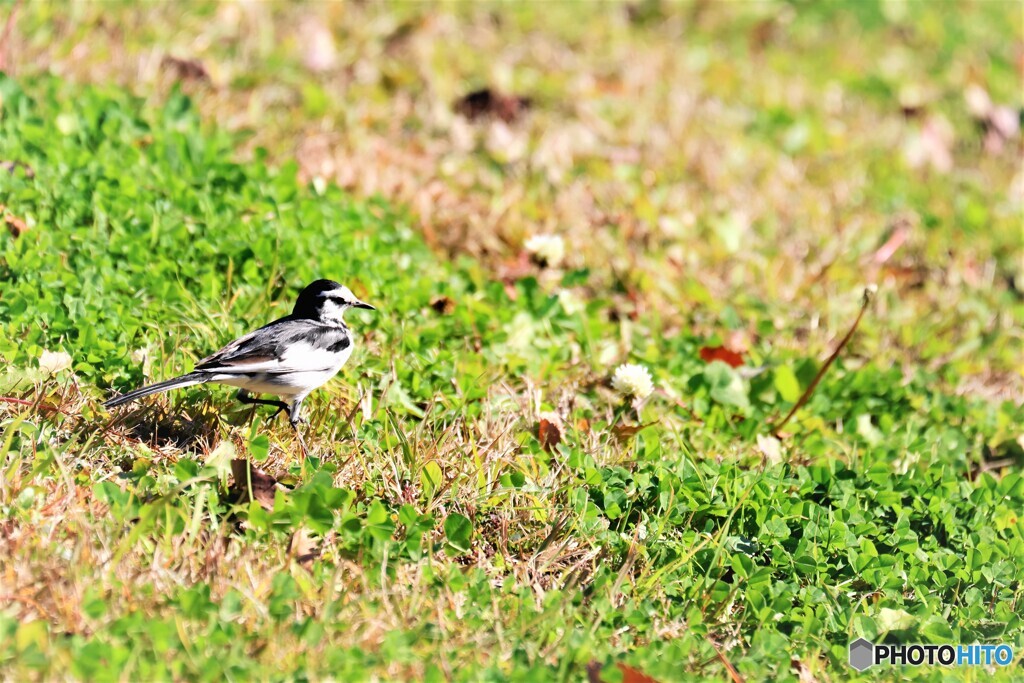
(176,383)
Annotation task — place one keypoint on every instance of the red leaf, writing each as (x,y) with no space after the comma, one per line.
(713,353)
(631,675)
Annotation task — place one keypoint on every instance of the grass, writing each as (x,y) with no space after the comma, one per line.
(721,175)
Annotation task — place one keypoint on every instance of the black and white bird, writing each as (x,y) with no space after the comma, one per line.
(288,358)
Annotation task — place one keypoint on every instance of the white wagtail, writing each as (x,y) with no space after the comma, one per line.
(289,358)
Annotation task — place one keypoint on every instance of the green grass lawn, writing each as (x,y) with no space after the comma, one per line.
(719,175)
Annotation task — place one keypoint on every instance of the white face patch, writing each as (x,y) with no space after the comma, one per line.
(332,310)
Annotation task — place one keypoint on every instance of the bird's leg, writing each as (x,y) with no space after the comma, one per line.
(244,397)
(295,419)
(294,413)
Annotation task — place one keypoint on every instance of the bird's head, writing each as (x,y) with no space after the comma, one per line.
(326,301)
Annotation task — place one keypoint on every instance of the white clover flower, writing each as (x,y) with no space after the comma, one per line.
(548,249)
(53,362)
(571,303)
(634,380)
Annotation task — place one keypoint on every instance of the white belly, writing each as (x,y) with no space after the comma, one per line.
(294,383)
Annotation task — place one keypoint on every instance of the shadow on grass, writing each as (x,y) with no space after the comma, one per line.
(159,429)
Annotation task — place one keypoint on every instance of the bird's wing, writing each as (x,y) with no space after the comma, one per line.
(259,350)
(285,345)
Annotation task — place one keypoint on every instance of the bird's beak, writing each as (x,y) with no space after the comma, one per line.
(363,304)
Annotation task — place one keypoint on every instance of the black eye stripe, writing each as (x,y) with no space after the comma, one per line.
(334,296)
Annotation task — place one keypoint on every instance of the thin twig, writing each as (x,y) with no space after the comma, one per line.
(32,602)
(868,296)
(30,404)
(302,442)
(733,674)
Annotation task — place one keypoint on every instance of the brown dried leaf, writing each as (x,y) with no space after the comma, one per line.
(486,102)
(263,485)
(443,305)
(623,432)
(548,434)
(15,225)
(185,69)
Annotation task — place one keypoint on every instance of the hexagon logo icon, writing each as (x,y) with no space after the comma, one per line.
(862,654)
